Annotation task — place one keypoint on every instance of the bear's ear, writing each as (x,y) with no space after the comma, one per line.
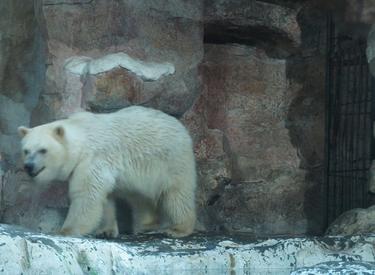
(23,131)
(59,132)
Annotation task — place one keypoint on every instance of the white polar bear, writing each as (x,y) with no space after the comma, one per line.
(139,153)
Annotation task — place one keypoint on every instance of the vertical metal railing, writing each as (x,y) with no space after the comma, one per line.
(327,161)
(349,129)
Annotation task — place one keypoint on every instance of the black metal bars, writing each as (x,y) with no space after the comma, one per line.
(349,128)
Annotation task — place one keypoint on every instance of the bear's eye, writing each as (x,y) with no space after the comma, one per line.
(42,151)
(26,152)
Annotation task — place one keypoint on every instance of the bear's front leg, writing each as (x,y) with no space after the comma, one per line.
(88,191)
(83,217)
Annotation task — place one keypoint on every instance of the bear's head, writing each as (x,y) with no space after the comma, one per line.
(44,152)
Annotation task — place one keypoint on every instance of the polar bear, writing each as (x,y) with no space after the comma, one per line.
(137,153)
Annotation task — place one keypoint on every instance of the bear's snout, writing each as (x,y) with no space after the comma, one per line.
(29,168)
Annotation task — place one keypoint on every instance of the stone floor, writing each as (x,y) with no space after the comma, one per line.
(24,252)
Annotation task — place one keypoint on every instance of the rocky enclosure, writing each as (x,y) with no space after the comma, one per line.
(246,78)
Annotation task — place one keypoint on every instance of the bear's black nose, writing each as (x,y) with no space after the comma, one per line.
(29,167)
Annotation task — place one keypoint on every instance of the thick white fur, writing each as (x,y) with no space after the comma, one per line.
(139,153)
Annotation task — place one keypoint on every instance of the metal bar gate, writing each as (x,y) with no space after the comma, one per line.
(349,123)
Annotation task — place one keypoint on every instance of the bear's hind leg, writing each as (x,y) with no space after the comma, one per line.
(144,215)
(178,211)
(108,227)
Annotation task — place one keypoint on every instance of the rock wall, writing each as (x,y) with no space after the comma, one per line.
(247,140)
(102,56)
(262,110)
(21,70)
(230,72)
(146,31)
(22,67)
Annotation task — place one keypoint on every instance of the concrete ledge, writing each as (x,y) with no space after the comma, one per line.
(357,268)
(33,253)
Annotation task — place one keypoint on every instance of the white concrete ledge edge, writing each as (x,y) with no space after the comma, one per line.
(34,253)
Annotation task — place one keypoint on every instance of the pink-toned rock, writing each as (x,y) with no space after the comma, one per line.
(195,119)
(211,146)
(63,90)
(249,169)
(113,90)
(248,108)
(256,118)
(271,26)
(149,32)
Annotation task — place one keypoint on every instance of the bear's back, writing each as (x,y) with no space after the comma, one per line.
(136,128)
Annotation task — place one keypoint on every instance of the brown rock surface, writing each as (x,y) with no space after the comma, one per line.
(251,101)
(149,31)
(268,25)
(249,168)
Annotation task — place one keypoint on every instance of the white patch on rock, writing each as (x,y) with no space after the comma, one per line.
(148,71)
(77,64)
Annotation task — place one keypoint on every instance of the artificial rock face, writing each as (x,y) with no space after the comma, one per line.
(256,128)
(138,153)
